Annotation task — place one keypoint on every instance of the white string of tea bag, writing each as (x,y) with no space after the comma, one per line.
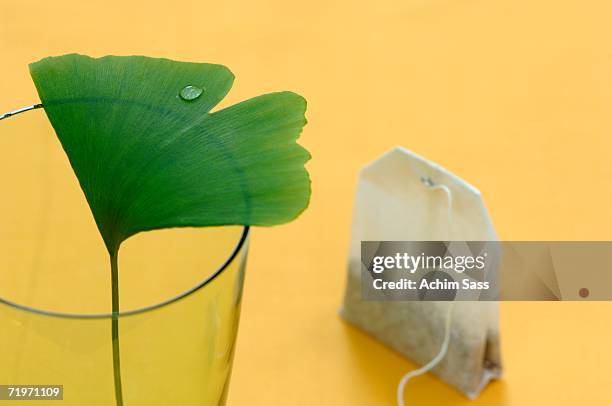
(431,364)
(447,324)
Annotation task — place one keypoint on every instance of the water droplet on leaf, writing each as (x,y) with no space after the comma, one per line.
(190,93)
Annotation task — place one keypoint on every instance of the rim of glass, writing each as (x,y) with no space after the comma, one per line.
(237,249)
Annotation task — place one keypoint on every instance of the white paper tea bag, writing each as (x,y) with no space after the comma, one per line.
(396,202)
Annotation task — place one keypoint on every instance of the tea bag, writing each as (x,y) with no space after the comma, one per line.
(397,201)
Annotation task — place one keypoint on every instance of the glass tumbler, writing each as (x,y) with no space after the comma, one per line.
(180,290)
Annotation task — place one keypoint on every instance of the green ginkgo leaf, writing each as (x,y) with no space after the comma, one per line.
(149,154)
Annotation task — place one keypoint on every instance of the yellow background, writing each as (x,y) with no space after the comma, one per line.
(514,96)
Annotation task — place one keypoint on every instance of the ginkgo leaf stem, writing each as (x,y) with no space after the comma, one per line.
(115,327)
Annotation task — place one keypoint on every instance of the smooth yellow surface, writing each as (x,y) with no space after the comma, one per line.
(514,96)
